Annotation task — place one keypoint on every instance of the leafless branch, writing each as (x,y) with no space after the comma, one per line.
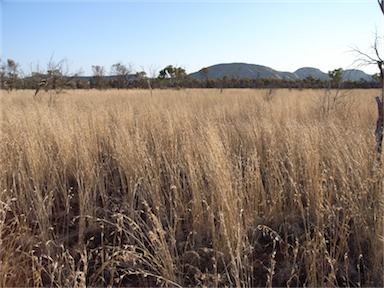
(56,78)
(363,58)
(381,4)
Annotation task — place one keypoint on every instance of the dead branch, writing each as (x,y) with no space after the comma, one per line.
(381,4)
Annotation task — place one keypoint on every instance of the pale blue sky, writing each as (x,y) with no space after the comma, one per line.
(284,35)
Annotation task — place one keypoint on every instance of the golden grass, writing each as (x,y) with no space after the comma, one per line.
(189,188)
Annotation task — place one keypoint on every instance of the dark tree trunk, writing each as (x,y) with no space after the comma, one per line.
(379,127)
(380,119)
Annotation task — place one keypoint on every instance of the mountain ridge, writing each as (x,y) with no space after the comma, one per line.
(240,70)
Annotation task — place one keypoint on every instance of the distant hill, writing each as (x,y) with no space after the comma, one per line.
(356,75)
(305,72)
(254,71)
(239,70)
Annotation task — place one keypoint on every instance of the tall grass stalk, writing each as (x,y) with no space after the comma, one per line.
(189,188)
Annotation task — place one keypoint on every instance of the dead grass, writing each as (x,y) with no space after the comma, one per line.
(189,188)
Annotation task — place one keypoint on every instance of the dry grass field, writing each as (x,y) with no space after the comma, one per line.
(190,188)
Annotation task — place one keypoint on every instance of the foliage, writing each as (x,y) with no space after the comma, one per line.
(121,72)
(176,75)
(10,75)
(336,77)
(98,80)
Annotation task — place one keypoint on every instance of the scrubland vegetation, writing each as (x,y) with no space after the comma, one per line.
(190,188)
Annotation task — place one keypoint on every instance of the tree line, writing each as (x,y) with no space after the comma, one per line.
(57,76)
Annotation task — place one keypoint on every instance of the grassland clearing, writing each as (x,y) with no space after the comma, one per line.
(190,187)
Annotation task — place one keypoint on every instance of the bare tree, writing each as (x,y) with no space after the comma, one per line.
(376,59)
(54,80)
(380,102)
(151,77)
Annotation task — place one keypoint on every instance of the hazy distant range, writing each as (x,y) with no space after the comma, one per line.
(254,71)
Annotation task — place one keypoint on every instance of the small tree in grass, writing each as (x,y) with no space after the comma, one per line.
(333,97)
(54,80)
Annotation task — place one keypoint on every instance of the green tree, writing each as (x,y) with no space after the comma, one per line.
(2,75)
(204,71)
(167,72)
(121,72)
(98,78)
(180,74)
(56,77)
(376,77)
(336,77)
(10,75)
(176,75)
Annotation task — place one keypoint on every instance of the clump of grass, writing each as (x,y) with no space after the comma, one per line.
(189,189)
